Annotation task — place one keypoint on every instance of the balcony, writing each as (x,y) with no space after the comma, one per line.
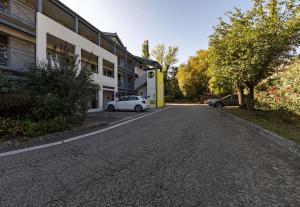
(15,59)
(17,14)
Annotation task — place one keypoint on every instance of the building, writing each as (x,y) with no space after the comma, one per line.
(35,30)
(150,81)
(126,66)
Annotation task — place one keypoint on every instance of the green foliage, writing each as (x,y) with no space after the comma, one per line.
(166,58)
(192,77)
(172,89)
(7,84)
(145,49)
(282,92)
(11,128)
(158,53)
(14,101)
(15,104)
(248,49)
(60,89)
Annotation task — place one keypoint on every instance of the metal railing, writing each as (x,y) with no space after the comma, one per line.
(20,12)
(3,54)
(15,58)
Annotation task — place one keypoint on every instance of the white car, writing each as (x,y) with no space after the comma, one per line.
(129,103)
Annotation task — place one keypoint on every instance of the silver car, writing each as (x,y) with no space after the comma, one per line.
(128,103)
(230,100)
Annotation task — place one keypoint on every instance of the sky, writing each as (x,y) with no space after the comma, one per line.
(183,23)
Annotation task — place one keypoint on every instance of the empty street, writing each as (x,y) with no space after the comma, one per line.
(182,156)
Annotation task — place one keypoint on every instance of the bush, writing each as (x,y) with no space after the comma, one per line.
(59,90)
(35,129)
(20,129)
(16,104)
(14,100)
(283,91)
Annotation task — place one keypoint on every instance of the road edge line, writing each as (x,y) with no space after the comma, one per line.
(72,139)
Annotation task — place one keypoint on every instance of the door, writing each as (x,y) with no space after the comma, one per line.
(122,104)
(107,97)
(133,101)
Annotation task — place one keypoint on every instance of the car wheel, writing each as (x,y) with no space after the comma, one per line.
(138,108)
(111,108)
(219,105)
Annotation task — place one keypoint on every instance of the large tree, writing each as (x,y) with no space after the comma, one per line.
(145,49)
(192,76)
(249,47)
(167,59)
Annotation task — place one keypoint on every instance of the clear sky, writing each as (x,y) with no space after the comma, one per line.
(183,23)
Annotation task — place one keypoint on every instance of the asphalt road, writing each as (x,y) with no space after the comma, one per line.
(183,156)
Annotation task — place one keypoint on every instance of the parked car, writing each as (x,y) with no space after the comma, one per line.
(128,103)
(230,100)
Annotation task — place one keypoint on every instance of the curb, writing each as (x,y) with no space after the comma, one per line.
(48,137)
(283,142)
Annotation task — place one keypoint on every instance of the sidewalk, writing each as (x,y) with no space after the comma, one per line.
(94,121)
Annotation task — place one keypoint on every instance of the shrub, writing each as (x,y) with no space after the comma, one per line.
(16,104)
(25,128)
(282,92)
(14,100)
(60,89)
(35,129)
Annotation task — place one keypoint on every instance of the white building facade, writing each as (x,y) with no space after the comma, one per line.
(109,84)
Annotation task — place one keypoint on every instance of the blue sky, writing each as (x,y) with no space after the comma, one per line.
(183,23)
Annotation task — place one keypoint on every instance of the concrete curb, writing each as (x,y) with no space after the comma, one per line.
(287,144)
(48,137)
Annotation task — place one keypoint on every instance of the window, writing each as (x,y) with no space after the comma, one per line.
(121,80)
(89,61)
(124,98)
(133,98)
(130,82)
(108,68)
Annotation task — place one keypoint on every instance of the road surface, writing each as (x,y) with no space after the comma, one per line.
(182,156)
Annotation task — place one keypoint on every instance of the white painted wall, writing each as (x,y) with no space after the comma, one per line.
(151,88)
(46,25)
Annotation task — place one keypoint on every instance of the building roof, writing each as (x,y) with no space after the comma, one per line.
(147,61)
(115,37)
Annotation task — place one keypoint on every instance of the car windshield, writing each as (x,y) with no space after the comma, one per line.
(227,97)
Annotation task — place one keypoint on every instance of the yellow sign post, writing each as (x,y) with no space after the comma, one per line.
(160,100)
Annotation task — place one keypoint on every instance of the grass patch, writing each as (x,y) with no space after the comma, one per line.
(282,123)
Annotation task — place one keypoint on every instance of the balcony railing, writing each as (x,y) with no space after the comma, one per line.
(15,59)
(19,12)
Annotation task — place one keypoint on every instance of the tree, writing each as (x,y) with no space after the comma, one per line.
(192,77)
(158,53)
(253,44)
(166,58)
(145,49)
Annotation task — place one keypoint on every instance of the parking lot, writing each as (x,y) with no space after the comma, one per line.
(111,117)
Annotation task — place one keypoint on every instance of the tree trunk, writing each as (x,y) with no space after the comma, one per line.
(250,104)
(241,95)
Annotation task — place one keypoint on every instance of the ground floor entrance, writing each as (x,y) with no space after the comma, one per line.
(107,96)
